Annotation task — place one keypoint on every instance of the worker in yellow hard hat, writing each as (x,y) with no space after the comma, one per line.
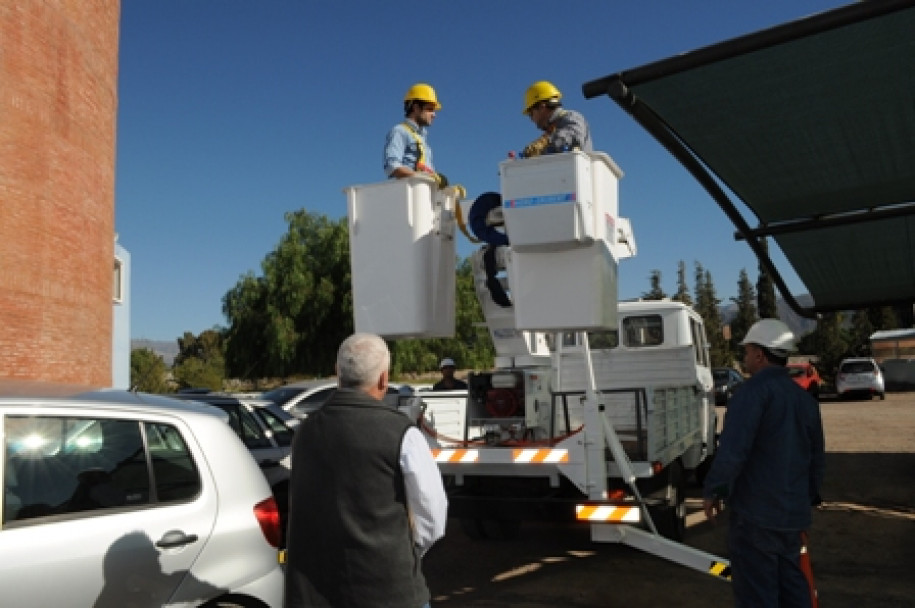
(563,130)
(406,150)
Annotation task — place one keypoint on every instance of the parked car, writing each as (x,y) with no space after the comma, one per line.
(727,380)
(127,499)
(265,428)
(806,376)
(300,399)
(860,376)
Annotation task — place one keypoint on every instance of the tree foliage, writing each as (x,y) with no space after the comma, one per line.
(656,292)
(148,371)
(291,319)
(200,362)
(746,311)
(829,342)
(682,294)
(708,307)
(765,290)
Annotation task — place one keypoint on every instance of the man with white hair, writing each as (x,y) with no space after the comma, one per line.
(769,469)
(366,496)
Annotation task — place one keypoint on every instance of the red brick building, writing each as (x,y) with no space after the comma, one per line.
(58,106)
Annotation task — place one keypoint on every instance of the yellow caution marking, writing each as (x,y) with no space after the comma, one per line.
(548,456)
(720,570)
(608,514)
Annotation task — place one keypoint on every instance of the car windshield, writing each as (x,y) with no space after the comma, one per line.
(857,367)
(720,376)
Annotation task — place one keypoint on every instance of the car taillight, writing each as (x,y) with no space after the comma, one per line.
(268,516)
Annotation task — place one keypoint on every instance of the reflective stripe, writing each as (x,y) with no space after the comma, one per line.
(455,455)
(548,456)
(720,570)
(607,513)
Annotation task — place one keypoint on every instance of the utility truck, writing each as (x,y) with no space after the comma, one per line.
(596,410)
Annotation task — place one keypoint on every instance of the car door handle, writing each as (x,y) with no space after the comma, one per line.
(175,538)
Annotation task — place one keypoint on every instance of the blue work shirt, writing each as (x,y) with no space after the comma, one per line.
(570,131)
(401,148)
(771,456)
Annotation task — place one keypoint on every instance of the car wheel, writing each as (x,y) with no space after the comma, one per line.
(882,396)
(814,391)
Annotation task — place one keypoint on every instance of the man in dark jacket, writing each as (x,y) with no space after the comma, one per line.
(366,496)
(769,468)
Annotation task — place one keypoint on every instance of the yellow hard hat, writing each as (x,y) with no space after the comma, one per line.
(540,91)
(422,92)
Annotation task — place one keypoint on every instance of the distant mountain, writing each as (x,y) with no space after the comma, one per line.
(167,349)
(798,324)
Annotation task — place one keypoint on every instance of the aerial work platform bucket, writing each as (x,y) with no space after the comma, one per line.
(403,257)
(560,217)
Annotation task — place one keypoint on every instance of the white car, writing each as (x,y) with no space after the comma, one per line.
(861,376)
(302,398)
(126,499)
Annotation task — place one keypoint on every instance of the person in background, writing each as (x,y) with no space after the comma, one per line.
(563,130)
(769,469)
(448,381)
(406,151)
(366,496)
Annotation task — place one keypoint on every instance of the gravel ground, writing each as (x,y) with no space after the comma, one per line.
(862,539)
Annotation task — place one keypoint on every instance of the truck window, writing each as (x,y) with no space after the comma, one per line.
(597,340)
(647,330)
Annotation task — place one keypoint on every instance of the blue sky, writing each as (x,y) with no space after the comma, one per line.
(234,112)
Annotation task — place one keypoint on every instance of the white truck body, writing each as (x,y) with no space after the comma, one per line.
(606,434)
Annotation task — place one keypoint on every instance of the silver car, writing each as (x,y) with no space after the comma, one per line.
(303,398)
(120,499)
(860,376)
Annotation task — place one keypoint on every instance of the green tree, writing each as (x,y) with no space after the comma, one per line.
(656,292)
(300,309)
(860,333)
(708,307)
(765,290)
(682,294)
(829,342)
(200,361)
(746,311)
(148,371)
(883,317)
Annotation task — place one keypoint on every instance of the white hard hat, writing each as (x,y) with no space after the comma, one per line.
(446,362)
(772,335)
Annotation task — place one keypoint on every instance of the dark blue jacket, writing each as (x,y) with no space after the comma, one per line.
(770,460)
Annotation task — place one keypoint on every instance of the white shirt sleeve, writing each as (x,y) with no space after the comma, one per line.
(426,498)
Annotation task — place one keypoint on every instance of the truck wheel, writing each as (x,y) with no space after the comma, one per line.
(670,518)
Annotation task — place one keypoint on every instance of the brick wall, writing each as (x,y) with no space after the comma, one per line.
(58,105)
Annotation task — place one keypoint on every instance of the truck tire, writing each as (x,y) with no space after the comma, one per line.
(670,516)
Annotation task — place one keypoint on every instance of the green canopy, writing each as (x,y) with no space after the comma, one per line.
(811,125)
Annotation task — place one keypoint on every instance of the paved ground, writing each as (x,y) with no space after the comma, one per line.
(862,540)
